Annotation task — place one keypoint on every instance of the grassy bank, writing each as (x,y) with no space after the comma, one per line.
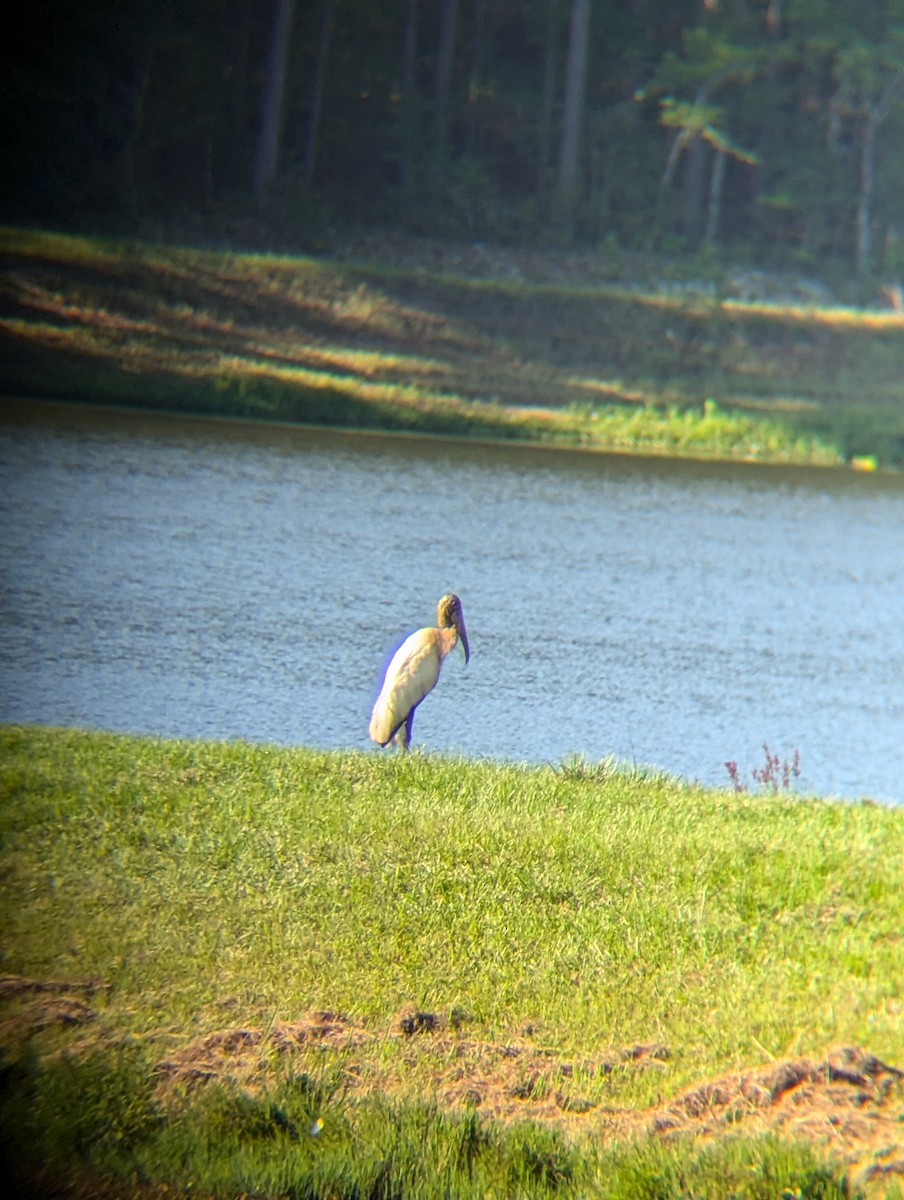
(288,972)
(465,348)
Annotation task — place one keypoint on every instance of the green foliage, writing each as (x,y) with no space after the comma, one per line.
(223,1143)
(136,121)
(754,1170)
(93,1116)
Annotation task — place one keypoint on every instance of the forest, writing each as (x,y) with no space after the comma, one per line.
(762,131)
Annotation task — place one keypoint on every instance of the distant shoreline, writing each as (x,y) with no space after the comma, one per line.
(328,344)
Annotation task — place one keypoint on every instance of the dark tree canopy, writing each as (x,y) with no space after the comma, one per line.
(769,128)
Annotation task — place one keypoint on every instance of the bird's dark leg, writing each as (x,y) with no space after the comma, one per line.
(404,735)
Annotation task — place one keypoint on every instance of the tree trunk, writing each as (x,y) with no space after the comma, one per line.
(477,70)
(874,115)
(693,189)
(714,210)
(445,55)
(409,108)
(239,100)
(865,194)
(575,79)
(327,13)
(266,158)
(686,138)
(774,18)
(138,97)
(544,127)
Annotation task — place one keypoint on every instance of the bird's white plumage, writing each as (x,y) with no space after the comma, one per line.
(413,672)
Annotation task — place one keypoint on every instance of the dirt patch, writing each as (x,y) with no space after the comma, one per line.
(247,1057)
(32,1005)
(849,1104)
(18,985)
(514,1080)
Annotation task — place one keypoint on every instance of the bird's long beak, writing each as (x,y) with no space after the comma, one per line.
(463,634)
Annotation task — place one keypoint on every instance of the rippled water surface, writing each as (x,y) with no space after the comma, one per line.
(208,579)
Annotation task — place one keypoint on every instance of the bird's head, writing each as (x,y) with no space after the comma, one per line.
(449,616)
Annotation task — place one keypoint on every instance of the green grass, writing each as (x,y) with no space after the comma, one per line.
(298,1141)
(204,885)
(374,346)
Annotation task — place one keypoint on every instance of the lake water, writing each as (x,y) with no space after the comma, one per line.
(225,580)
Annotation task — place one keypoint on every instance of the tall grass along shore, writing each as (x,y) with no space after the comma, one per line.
(612,354)
(235,970)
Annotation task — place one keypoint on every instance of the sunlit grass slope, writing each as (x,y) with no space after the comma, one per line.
(204,885)
(324,341)
(196,877)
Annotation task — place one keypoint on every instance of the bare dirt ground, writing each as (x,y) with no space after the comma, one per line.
(847,1104)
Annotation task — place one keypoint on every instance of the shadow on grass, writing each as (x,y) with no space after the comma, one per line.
(317,342)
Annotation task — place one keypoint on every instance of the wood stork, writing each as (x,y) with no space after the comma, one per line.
(413,673)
